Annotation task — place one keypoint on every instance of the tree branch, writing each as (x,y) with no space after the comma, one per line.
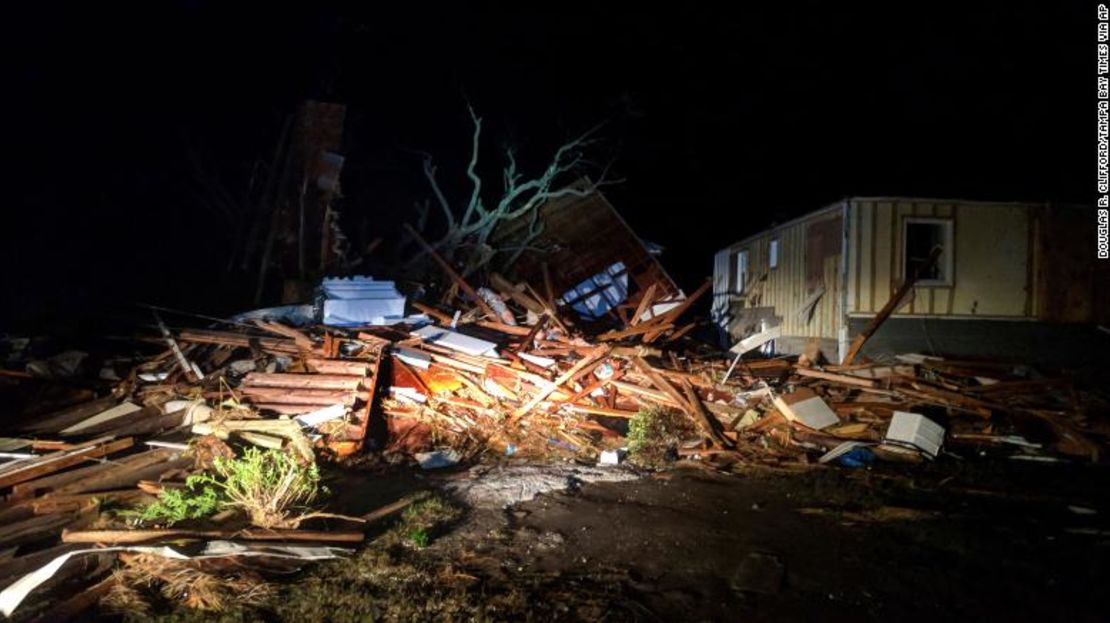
(430,173)
(471,169)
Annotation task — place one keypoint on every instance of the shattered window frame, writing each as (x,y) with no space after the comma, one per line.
(599,294)
(741,265)
(944,265)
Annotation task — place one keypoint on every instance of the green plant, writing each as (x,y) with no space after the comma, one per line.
(269,485)
(420,521)
(653,431)
(194,501)
(419,537)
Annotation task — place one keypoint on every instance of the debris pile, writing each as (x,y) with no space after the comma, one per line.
(502,371)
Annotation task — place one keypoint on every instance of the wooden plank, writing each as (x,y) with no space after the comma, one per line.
(72,608)
(756,340)
(58,461)
(504,286)
(12,570)
(42,485)
(888,309)
(150,424)
(248,534)
(580,408)
(38,528)
(55,503)
(645,302)
(649,326)
(307,381)
(842,379)
(597,354)
(299,396)
(530,339)
(290,409)
(504,328)
(392,508)
(280,345)
(681,332)
(705,421)
(99,427)
(454,276)
(441,317)
(128,475)
(594,386)
(69,416)
(673,314)
(337,366)
(299,338)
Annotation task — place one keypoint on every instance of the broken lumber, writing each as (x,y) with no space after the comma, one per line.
(888,309)
(304,381)
(57,461)
(548,388)
(247,534)
(842,379)
(454,276)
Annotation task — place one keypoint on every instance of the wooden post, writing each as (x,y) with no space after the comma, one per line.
(888,309)
(454,276)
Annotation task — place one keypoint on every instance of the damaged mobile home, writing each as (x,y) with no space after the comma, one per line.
(1009,276)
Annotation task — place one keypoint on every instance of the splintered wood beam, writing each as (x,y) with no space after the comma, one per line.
(703,418)
(596,385)
(294,396)
(526,343)
(661,383)
(299,338)
(842,379)
(645,303)
(505,287)
(393,507)
(440,317)
(55,462)
(503,328)
(280,345)
(454,276)
(673,314)
(888,309)
(650,326)
(248,534)
(337,366)
(606,411)
(681,332)
(302,381)
(596,355)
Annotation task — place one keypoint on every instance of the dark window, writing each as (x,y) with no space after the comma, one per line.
(922,236)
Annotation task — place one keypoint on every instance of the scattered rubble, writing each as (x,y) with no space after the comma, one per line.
(504,373)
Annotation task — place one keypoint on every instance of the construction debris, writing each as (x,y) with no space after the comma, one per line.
(505,373)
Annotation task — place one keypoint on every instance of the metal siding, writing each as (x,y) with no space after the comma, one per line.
(855,265)
(874,263)
(881,252)
(989,261)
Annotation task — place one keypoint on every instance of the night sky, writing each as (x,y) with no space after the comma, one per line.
(720,123)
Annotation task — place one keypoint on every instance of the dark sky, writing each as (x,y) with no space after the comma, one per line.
(721,121)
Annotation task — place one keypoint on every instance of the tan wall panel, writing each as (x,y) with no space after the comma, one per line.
(992,249)
(879,291)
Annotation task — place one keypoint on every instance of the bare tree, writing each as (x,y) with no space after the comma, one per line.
(470,224)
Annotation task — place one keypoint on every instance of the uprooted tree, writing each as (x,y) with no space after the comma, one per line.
(471,222)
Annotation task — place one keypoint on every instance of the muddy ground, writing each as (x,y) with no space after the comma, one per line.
(993,541)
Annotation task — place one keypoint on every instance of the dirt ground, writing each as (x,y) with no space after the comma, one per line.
(992,541)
